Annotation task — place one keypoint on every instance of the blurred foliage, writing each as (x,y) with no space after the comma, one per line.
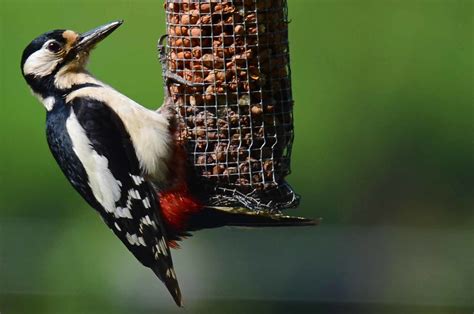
(384,110)
(384,134)
(383,93)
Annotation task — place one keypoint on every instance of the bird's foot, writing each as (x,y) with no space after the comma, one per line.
(169,76)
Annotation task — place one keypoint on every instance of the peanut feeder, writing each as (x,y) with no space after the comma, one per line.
(237,125)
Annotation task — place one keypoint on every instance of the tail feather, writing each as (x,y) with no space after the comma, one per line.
(171,282)
(212,217)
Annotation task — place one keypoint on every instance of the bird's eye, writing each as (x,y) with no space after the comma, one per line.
(54,46)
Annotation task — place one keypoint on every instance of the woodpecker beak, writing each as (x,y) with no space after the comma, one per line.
(87,40)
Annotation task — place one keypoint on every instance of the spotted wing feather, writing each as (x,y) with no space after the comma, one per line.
(133,217)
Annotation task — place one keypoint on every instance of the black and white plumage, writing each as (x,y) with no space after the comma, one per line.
(122,158)
(113,151)
(115,183)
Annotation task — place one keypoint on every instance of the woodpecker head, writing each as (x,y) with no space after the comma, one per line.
(55,54)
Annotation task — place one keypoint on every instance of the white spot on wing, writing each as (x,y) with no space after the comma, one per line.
(148,222)
(136,179)
(134,194)
(146,202)
(122,212)
(163,247)
(103,184)
(157,252)
(117,227)
(170,273)
(133,239)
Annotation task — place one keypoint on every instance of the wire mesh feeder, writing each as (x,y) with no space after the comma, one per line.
(237,125)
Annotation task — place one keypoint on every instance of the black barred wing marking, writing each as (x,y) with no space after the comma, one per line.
(127,201)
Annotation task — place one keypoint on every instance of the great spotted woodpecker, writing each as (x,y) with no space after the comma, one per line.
(122,158)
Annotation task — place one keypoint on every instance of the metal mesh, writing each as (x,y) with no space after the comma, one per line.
(237,124)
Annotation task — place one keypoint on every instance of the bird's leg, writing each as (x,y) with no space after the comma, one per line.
(169,106)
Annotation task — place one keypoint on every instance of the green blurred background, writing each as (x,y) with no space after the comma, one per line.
(383,152)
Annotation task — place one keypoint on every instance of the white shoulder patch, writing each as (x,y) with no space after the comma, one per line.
(148,129)
(103,184)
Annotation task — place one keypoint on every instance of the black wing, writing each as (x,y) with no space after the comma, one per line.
(133,216)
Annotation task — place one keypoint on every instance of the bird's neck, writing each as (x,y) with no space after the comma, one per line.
(53,89)
(67,81)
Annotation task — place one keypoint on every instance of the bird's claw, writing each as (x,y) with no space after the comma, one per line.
(175,78)
(161,47)
(167,74)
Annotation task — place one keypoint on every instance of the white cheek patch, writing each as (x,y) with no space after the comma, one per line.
(103,184)
(41,63)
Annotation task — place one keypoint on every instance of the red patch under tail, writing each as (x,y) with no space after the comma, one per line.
(177,205)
